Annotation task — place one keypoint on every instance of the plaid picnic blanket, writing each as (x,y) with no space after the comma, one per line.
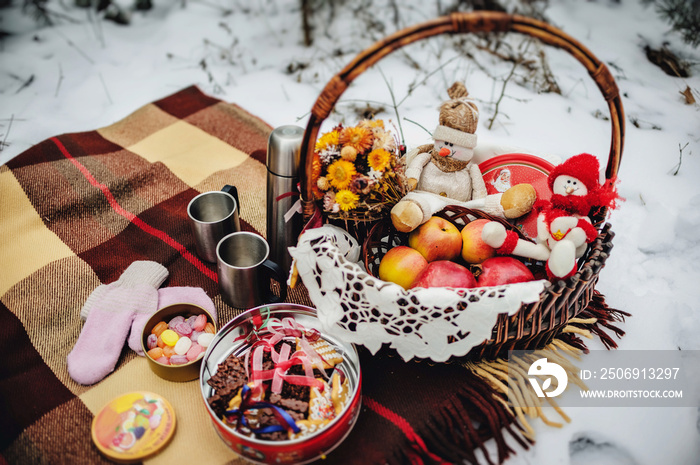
(77,209)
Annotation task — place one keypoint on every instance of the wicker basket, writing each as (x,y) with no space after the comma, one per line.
(536,323)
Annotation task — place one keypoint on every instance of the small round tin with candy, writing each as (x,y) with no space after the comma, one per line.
(173,340)
(278,390)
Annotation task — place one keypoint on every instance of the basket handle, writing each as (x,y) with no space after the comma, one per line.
(460,22)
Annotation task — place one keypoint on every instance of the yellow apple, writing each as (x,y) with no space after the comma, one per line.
(474,249)
(401,265)
(436,239)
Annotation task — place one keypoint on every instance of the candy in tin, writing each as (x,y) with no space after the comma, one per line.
(179,373)
(299,437)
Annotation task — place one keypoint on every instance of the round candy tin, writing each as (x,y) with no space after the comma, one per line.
(133,427)
(180,373)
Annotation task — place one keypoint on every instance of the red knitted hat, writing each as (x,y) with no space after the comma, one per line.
(584,167)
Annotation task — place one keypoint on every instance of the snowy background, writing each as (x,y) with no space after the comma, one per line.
(83,73)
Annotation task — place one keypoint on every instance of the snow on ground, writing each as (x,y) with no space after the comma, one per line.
(89,74)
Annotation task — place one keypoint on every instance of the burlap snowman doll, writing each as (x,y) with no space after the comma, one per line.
(442,173)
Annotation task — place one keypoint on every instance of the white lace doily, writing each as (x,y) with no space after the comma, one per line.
(435,323)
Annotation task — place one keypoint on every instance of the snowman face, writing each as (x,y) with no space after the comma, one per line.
(569,185)
(453,150)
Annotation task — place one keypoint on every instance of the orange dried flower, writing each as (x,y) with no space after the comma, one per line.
(379,159)
(358,138)
(315,167)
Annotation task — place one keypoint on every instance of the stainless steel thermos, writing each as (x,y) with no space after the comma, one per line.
(283,225)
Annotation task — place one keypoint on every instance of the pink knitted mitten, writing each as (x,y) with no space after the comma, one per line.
(168,296)
(110,311)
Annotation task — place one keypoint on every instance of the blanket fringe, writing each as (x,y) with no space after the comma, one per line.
(597,319)
(459,432)
(497,399)
(509,381)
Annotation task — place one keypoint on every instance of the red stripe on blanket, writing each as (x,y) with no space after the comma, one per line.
(135,220)
(402,424)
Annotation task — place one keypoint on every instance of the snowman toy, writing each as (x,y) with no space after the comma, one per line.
(564,229)
(443,174)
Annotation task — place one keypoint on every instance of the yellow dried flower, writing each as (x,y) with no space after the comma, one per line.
(340,173)
(357,137)
(346,199)
(379,159)
(327,140)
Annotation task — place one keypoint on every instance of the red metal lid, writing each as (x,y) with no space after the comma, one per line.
(503,171)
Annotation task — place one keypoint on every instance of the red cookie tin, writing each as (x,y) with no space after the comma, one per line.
(231,339)
(504,171)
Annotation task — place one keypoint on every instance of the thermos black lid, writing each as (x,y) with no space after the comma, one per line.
(283,154)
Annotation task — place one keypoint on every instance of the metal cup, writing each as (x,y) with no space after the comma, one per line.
(213,215)
(245,272)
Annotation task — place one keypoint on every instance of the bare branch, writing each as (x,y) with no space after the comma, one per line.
(60,79)
(393,102)
(677,168)
(413,86)
(70,42)
(551,83)
(25,84)
(9,126)
(104,86)
(503,92)
(507,79)
(305,22)
(419,125)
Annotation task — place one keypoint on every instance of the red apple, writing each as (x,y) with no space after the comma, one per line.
(444,273)
(474,249)
(503,270)
(436,239)
(401,265)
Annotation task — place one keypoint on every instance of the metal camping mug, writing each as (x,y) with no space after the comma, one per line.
(213,215)
(245,271)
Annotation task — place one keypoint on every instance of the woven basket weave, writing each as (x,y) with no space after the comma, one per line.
(535,324)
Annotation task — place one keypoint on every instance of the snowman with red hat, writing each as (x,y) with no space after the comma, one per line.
(563,227)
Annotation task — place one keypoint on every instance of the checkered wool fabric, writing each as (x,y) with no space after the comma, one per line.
(77,209)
